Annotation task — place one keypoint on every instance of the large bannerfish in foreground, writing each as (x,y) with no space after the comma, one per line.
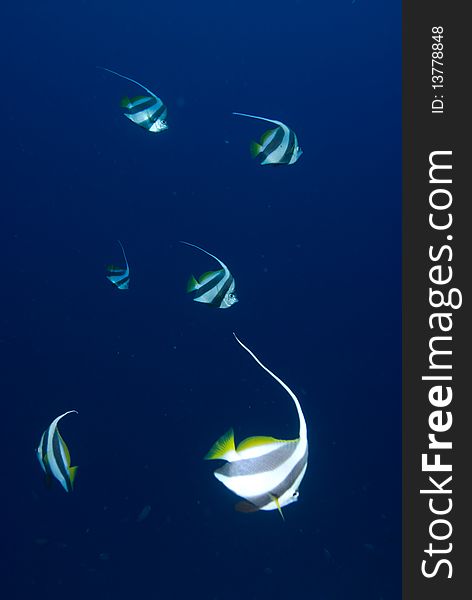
(119,276)
(54,456)
(267,472)
(148,112)
(278,146)
(216,288)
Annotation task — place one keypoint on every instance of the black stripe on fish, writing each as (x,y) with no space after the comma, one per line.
(209,285)
(56,450)
(218,299)
(121,282)
(263,499)
(141,105)
(273,144)
(157,115)
(259,464)
(152,118)
(287,156)
(43,453)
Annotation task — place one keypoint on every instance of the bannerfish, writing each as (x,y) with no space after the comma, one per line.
(54,456)
(144,514)
(213,287)
(265,471)
(278,146)
(148,112)
(119,276)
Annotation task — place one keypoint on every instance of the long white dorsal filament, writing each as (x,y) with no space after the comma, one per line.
(260,118)
(129,79)
(205,251)
(124,254)
(303,431)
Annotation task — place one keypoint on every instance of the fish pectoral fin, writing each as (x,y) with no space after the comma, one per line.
(192,284)
(72,474)
(245,507)
(277,503)
(223,447)
(255,149)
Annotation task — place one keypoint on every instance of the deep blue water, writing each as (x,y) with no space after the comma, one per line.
(315,251)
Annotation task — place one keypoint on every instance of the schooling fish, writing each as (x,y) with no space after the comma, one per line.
(119,276)
(148,112)
(214,287)
(278,146)
(54,457)
(267,472)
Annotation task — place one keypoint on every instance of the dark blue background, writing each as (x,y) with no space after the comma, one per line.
(157,378)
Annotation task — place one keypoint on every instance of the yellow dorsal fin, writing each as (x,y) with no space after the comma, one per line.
(206,276)
(266,135)
(222,446)
(72,474)
(277,503)
(260,440)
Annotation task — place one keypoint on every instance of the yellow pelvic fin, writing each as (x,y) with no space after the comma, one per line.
(72,474)
(222,446)
(277,503)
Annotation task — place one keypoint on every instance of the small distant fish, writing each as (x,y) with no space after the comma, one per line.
(278,146)
(41,541)
(144,514)
(54,456)
(214,287)
(104,556)
(148,112)
(267,472)
(119,276)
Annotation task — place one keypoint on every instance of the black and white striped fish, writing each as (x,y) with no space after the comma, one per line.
(119,276)
(214,287)
(278,146)
(54,456)
(148,112)
(267,472)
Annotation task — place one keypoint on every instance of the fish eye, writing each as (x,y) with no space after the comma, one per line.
(295,494)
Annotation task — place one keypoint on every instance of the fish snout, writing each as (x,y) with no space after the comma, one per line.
(161,125)
(290,499)
(232,299)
